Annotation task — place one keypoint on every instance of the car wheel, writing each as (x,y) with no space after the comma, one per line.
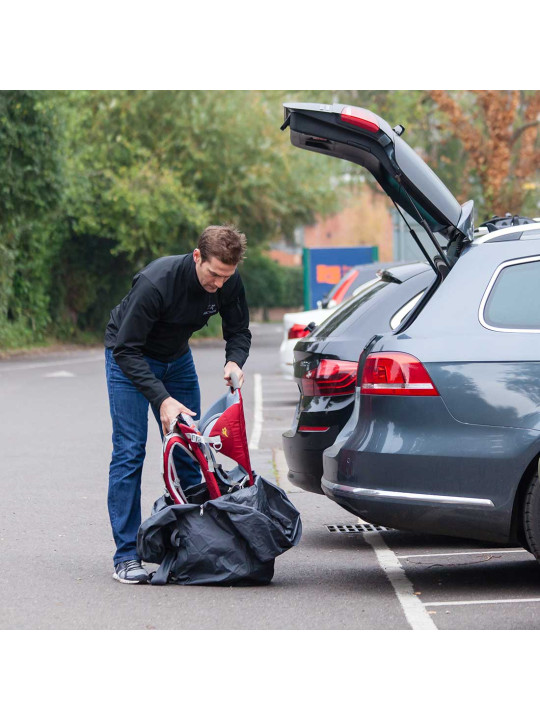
(531,516)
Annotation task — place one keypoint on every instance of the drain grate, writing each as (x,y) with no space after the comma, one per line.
(357,528)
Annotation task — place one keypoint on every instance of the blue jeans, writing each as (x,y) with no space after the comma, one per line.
(129,413)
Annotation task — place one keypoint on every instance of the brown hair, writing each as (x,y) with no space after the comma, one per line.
(223,242)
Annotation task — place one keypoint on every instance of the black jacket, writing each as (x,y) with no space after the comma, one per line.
(165,306)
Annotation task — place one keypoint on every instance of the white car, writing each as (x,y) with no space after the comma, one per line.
(294,328)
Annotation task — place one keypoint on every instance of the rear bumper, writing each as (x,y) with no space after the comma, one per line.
(428,473)
(475,518)
(304,456)
(304,450)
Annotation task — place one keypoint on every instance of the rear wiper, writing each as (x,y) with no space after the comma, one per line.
(387,276)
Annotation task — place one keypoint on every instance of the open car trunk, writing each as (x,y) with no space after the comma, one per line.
(364,138)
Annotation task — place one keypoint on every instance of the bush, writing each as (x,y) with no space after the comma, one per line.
(29,194)
(269,284)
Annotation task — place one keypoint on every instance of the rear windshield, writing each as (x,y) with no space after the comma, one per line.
(363,296)
(357,277)
(514,300)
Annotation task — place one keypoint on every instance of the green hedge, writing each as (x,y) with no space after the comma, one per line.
(269,284)
(95,185)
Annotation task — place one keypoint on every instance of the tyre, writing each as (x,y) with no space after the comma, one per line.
(531,516)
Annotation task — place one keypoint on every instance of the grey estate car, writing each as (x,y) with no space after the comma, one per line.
(445,432)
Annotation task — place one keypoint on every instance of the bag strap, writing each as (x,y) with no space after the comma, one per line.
(161,576)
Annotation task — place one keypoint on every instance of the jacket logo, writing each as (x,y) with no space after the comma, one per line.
(210,310)
(225,432)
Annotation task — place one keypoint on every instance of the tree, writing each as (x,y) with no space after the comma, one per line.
(482,144)
(147,171)
(499,133)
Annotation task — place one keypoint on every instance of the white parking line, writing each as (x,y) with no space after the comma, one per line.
(476,552)
(257,413)
(415,610)
(416,614)
(482,602)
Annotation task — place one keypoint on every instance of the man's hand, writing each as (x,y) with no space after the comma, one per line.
(232,367)
(169,411)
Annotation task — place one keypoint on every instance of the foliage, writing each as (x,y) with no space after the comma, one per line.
(96,184)
(147,171)
(212,329)
(483,144)
(498,130)
(29,196)
(269,284)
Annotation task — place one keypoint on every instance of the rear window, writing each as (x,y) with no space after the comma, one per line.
(365,293)
(513,300)
(353,281)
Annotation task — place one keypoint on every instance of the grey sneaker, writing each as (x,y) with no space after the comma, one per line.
(131,571)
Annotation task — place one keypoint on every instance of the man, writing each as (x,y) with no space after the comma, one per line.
(148,361)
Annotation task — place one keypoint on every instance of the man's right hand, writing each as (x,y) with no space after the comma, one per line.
(169,410)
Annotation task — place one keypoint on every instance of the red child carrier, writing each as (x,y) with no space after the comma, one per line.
(222,430)
(230,527)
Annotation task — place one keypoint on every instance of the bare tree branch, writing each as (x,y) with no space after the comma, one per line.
(517,133)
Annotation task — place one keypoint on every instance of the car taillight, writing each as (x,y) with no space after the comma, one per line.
(298,331)
(395,373)
(341,292)
(330,377)
(361,118)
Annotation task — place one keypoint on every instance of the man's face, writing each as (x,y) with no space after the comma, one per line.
(212,273)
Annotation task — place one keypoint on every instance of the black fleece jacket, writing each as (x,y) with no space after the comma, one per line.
(165,306)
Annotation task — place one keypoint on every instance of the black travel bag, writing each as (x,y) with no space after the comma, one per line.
(230,540)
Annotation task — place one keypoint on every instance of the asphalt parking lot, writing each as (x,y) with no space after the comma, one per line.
(341,576)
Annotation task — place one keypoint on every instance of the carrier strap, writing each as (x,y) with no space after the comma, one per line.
(161,576)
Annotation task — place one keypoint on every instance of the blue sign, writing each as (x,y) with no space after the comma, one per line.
(324,268)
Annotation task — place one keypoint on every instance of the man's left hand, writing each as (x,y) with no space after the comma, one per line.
(232,367)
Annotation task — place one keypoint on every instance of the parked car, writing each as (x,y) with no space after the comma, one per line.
(445,432)
(295,325)
(326,361)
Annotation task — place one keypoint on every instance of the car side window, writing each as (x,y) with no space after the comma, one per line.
(512,300)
